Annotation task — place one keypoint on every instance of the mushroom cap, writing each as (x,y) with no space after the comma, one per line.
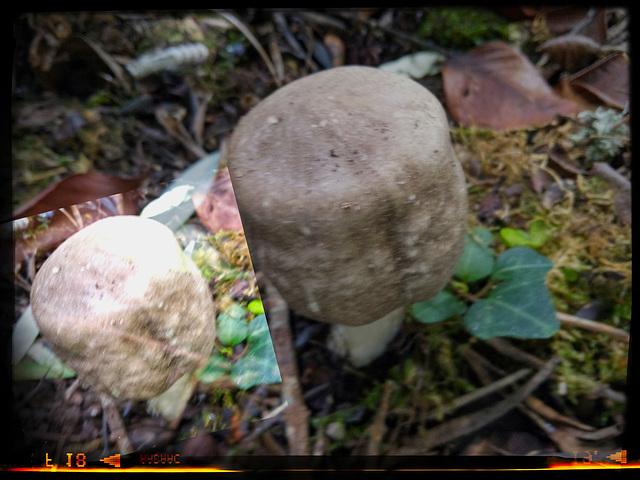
(125,307)
(351,197)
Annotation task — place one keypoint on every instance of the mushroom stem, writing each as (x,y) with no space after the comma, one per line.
(363,343)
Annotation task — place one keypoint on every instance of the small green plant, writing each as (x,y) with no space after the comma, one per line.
(604,133)
(538,234)
(255,363)
(510,300)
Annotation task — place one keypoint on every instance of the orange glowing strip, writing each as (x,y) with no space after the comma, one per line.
(127,470)
(592,465)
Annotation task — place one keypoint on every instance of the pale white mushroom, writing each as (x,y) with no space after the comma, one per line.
(352,200)
(124,307)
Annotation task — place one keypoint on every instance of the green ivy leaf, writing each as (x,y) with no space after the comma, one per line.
(477,258)
(443,306)
(259,364)
(216,367)
(232,326)
(520,306)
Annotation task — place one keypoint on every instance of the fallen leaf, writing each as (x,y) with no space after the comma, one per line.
(561,162)
(495,86)
(217,208)
(47,230)
(571,52)
(77,189)
(605,82)
(70,204)
(561,20)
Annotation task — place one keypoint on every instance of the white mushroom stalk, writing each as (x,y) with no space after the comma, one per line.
(364,343)
(352,200)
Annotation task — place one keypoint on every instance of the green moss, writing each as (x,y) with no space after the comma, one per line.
(463,27)
(589,361)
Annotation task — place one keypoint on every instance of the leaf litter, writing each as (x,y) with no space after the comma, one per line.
(509,172)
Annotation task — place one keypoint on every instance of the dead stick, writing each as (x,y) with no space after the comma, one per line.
(116,424)
(378,428)
(482,392)
(296,416)
(459,427)
(573,321)
(611,176)
(506,348)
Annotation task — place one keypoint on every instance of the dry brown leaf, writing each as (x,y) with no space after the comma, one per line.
(561,20)
(571,52)
(77,189)
(73,202)
(44,234)
(217,209)
(497,87)
(606,82)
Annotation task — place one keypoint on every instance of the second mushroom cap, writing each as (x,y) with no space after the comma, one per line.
(125,307)
(351,197)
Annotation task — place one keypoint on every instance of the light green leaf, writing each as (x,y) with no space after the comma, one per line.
(443,306)
(45,362)
(232,326)
(513,237)
(259,364)
(520,306)
(255,306)
(216,367)
(536,237)
(540,232)
(477,258)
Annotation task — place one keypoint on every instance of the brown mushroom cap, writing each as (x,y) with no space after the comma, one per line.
(123,306)
(351,197)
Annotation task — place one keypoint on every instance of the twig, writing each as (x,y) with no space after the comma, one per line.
(504,347)
(169,119)
(573,321)
(482,392)
(481,366)
(552,415)
(378,428)
(296,416)
(254,41)
(116,424)
(612,177)
(459,427)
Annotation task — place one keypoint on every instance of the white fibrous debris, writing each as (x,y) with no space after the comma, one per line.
(171,58)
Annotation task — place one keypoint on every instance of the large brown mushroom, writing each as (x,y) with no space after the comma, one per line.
(352,200)
(124,307)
